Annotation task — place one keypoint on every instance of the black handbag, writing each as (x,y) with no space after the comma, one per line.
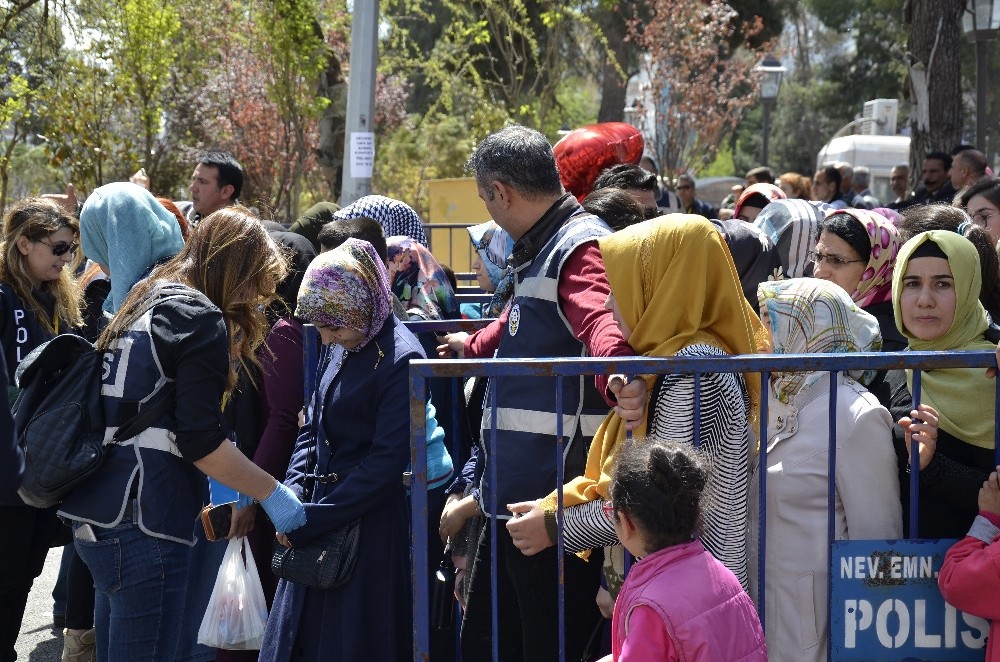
(328,561)
(324,563)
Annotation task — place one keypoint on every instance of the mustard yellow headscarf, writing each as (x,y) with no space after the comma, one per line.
(676,285)
(963,397)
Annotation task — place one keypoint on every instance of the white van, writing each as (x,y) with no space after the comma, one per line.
(878,153)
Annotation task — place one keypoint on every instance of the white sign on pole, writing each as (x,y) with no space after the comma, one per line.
(362,154)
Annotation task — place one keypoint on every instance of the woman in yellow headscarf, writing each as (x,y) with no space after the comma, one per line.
(676,292)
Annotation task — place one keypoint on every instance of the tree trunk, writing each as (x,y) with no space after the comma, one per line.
(612,94)
(935,76)
(613,87)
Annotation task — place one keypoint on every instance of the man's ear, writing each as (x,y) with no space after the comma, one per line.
(502,193)
(227,191)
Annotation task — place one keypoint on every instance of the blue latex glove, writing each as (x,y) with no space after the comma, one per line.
(284,509)
(244,501)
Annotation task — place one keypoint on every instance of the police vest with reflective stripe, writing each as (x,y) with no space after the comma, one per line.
(525,452)
(170,489)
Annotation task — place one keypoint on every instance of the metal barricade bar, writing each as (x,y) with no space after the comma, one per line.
(422,370)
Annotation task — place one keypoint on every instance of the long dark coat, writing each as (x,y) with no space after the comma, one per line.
(366,421)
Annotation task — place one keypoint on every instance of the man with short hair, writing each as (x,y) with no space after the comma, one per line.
(634,180)
(666,200)
(686,191)
(826,187)
(557,311)
(899,182)
(967,167)
(934,176)
(217,182)
(847,193)
(861,189)
(760,175)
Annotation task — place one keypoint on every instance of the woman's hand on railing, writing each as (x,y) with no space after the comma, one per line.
(921,426)
(452,342)
(992,372)
(527,527)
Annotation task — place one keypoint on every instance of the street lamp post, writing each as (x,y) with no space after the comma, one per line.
(980,22)
(771,72)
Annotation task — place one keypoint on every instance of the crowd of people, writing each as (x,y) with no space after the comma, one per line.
(199,307)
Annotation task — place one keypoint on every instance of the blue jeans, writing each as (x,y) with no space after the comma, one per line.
(140,584)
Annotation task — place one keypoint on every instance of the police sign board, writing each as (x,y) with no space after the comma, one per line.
(885,604)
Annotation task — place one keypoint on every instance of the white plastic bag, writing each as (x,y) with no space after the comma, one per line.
(236,611)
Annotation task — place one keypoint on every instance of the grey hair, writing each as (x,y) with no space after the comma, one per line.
(687,178)
(519,157)
(862,176)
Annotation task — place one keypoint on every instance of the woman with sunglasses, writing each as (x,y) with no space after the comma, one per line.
(38,299)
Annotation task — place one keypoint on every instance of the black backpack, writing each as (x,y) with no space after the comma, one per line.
(59,418)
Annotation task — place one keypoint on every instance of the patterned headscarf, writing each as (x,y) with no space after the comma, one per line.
(418,280)
(793,226)
(494,246)
(810,316)
(396,218)
(346,287)
(124,228)
(876,281)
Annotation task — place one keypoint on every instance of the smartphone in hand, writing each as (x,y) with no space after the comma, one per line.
(217,520)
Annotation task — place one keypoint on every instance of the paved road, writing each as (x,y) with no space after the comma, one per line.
(36,642)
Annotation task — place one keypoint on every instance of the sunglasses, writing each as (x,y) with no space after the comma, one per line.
(60,248)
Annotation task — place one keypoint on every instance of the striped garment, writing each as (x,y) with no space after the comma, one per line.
(724,432)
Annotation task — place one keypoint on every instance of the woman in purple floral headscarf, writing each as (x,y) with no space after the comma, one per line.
(348,464)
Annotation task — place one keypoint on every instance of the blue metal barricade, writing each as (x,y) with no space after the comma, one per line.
(421,371)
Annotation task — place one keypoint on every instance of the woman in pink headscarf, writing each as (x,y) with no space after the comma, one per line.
(857,250)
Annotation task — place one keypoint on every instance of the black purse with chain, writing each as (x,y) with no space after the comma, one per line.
(328,561)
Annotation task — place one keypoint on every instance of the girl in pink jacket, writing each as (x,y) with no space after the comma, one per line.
(970,577)
(678,602)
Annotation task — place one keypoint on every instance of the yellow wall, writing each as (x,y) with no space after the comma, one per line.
(454,201)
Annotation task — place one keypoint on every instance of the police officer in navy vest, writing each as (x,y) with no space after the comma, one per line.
(557,311)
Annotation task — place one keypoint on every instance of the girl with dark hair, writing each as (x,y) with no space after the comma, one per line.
(178,335)
(656,504)
(38,299)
